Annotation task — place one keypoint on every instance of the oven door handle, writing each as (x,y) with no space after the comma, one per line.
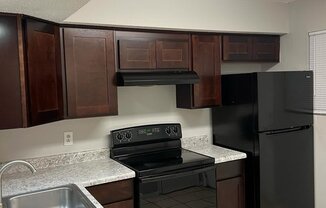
(175,175)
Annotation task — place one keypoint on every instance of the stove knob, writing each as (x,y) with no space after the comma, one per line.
(128,135)
(168,130)
(175,129)
(119,137)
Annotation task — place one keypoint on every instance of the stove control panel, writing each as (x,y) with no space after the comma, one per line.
(147,133)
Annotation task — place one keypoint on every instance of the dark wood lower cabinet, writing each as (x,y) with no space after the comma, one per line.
(122,204)
(118,194)
(231,184)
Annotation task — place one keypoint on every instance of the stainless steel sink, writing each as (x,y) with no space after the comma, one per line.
(61,197)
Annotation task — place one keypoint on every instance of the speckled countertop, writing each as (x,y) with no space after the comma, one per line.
(219,153)
(83,174)
(92,168)
(200,144)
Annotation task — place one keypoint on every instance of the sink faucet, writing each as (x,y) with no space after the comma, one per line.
(9,164)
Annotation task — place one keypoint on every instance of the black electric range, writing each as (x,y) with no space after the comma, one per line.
(163,168)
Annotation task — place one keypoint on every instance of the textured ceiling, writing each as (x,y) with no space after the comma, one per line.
(55,10)
(282,1)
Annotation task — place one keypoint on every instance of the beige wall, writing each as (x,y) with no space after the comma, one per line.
(144,105)
(305,17)
(209,15)
(137,105)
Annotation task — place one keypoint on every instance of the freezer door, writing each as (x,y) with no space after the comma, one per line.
(286,169)
(285,99)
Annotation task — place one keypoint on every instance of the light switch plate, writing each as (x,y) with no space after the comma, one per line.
(68,138)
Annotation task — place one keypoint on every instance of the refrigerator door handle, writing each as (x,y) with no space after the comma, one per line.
(288,130)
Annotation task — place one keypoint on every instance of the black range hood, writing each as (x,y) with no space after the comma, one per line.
(156,78)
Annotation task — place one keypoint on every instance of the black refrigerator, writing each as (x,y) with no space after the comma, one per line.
(269,116)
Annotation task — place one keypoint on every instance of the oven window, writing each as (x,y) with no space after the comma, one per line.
(192,191)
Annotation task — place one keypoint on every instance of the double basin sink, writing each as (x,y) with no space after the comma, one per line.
(68,196)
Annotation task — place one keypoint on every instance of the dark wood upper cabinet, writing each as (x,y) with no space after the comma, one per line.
(44,72)
(266,48)
(172,54)
(12,100)
(152,51)
(206,63)
(237,48)
(254,48)
(137,54)
(30,81)
(90,72)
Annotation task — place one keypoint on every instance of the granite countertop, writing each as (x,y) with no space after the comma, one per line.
(219,153)
(82,174)
(201,145)
(92,168)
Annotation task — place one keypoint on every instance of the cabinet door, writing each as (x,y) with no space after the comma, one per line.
(44,72)
(237,48)
(90,71)
(230,193)
(266,48)
(137,54)
(112,192)
(11,114)
(121,204)
(206,63)
(172,54)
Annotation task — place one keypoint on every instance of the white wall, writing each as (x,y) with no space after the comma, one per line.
(137,105)
(209,15)
(305,17)
(143,105)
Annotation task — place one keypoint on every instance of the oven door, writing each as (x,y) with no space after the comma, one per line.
(191,188)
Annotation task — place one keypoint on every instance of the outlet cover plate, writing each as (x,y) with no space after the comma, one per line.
(68,138)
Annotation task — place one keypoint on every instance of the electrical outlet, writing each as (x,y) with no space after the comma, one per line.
(68,138)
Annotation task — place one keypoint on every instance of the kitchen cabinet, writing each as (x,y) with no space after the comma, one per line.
(152,51)
(90,72)
(30,81)
(116,194)
(206,63)
(266,48)
(231,184)
(44,72)
(251,48)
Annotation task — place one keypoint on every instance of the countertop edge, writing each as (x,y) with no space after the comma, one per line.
(220,154)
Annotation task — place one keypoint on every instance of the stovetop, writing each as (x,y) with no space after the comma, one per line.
(163,162)
(155,149)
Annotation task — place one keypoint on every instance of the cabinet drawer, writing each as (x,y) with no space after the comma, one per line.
(112,192)
(230,169)
(122,204)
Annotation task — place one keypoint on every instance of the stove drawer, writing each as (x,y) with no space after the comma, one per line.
(113,192)
(193,188)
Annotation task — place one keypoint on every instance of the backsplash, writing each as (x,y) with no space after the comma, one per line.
(62,160)
(195,141)
(84,156)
